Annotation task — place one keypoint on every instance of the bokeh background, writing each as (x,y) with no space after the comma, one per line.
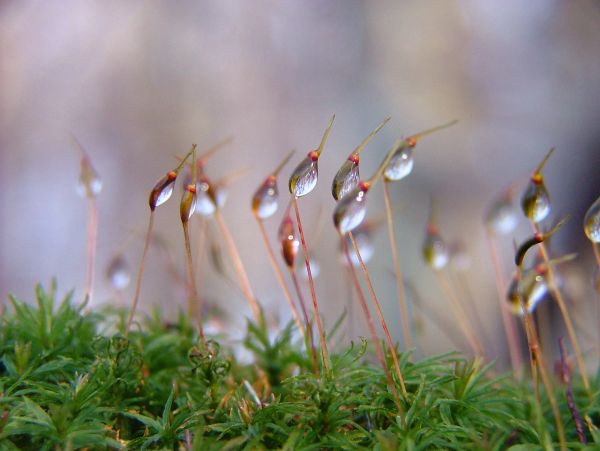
(139,81)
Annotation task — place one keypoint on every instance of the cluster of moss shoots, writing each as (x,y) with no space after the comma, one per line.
(72,378)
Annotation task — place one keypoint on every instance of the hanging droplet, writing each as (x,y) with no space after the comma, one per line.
(350,211)
(502,217)
(221,193)
(265,199)
(90,184)
(206,200)
(536,201)
(304,178)
(365,247)
(162,190)
(289,241)
(591,222)
(188,203)
(435,251)
(118,273)
(401,163)
(346,178)
(532,289)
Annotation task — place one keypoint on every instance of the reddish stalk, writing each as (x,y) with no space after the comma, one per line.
(396,259)
(311,340)
(510,331)
(279,276)
(371,325)
(313,294)
(386,331)
(92,243)
(194,307)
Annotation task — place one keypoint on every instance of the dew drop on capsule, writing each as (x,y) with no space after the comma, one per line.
(118,273)
(162,190)
(536,201)
(206,202)
(401,164)
(304,178)
(346,178)
(265,199)
(502,217)
(435,251)
(365,247)
(187,207)
(532,289)
(591,222)
(350,211)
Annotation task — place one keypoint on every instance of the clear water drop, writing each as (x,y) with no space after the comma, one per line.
(187,207)
(502,217)
(365,247)
(435,251)
(591,222)
(118,273)
(266,199)
(350,211)
(401,164)
(221,196)
(532,290)
(536,202)
(304,178)
(345,180)
(206,202)
(162,190)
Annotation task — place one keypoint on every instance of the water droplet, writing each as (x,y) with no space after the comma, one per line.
(350,211)
(533,289)
(460,258)
(162,190)
(435,251)
(304,178)
(536,201)
(188,204)
(345,180)
(221,196)
(289,241)
(502,217)
(206,201)
(118,273)
(265,199)
(591,222)
(365,247)
(400,165)
(89,186)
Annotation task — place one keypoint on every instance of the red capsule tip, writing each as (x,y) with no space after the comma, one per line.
(171,175)
(432,229)
(313,155)
(354,158)
(538,237)
(191,188)
(364,186)
(537,178)
(411,141)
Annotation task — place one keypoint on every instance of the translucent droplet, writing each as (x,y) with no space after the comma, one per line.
(304,178)
(289,241)
(206,202)
(118,273)
(591,222)
(502,217)
(536,202)
(187,207)
(350,211)
(400,165)
(162,190)
(435,251)
(265,199)
(315,268)
(90,184)
(365,247)
(221,196)
(346,179)
(460,258)
(533,289)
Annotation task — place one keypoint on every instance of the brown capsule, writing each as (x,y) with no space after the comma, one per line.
(188,203)
(435,252)
(90,184)
(162,190)
(535,201)
(290,244)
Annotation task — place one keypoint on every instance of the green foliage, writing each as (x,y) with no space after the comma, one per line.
(66,385)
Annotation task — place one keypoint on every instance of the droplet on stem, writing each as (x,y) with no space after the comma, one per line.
(118,273)
(187,207)
(290,244)
(532,290)
(435,251)
(206,197)
(90,183)
(535,201)
(365,246)
(163,189)
(266,198)
(502,216)
(351,210)
(591,222)
(304,178)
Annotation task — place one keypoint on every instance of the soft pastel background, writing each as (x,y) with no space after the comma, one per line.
(138,81)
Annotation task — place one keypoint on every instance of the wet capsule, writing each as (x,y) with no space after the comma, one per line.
(289,241)
(188,203)
(536,200)
(304,178)
(591,222)
(532,289)
(162,190)
(348,175)
(435,252)
(90,184)
(206,200)
(118,273)
(502,216)
(266,198)
(365,246)
(350,211)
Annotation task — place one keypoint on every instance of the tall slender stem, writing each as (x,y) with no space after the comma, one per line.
(510,331)
(194,307)
(372,330)
(399,278)
(239,266)
(565,314)
(92,243)
(279,275)
(311,342)
(386,331)
(312,289)
(138,281)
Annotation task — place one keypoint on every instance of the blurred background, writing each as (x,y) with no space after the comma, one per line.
(137,82)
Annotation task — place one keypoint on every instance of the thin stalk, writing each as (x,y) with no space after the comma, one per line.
(372,330)
(239,266)
(460,314)
(279,275)
(311,339)
(386,331)
(138,281)
(510,331)
(596,254)
(399,278)
(320,328)
(202,228)
(194,307)
(565,314)
(92,244)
